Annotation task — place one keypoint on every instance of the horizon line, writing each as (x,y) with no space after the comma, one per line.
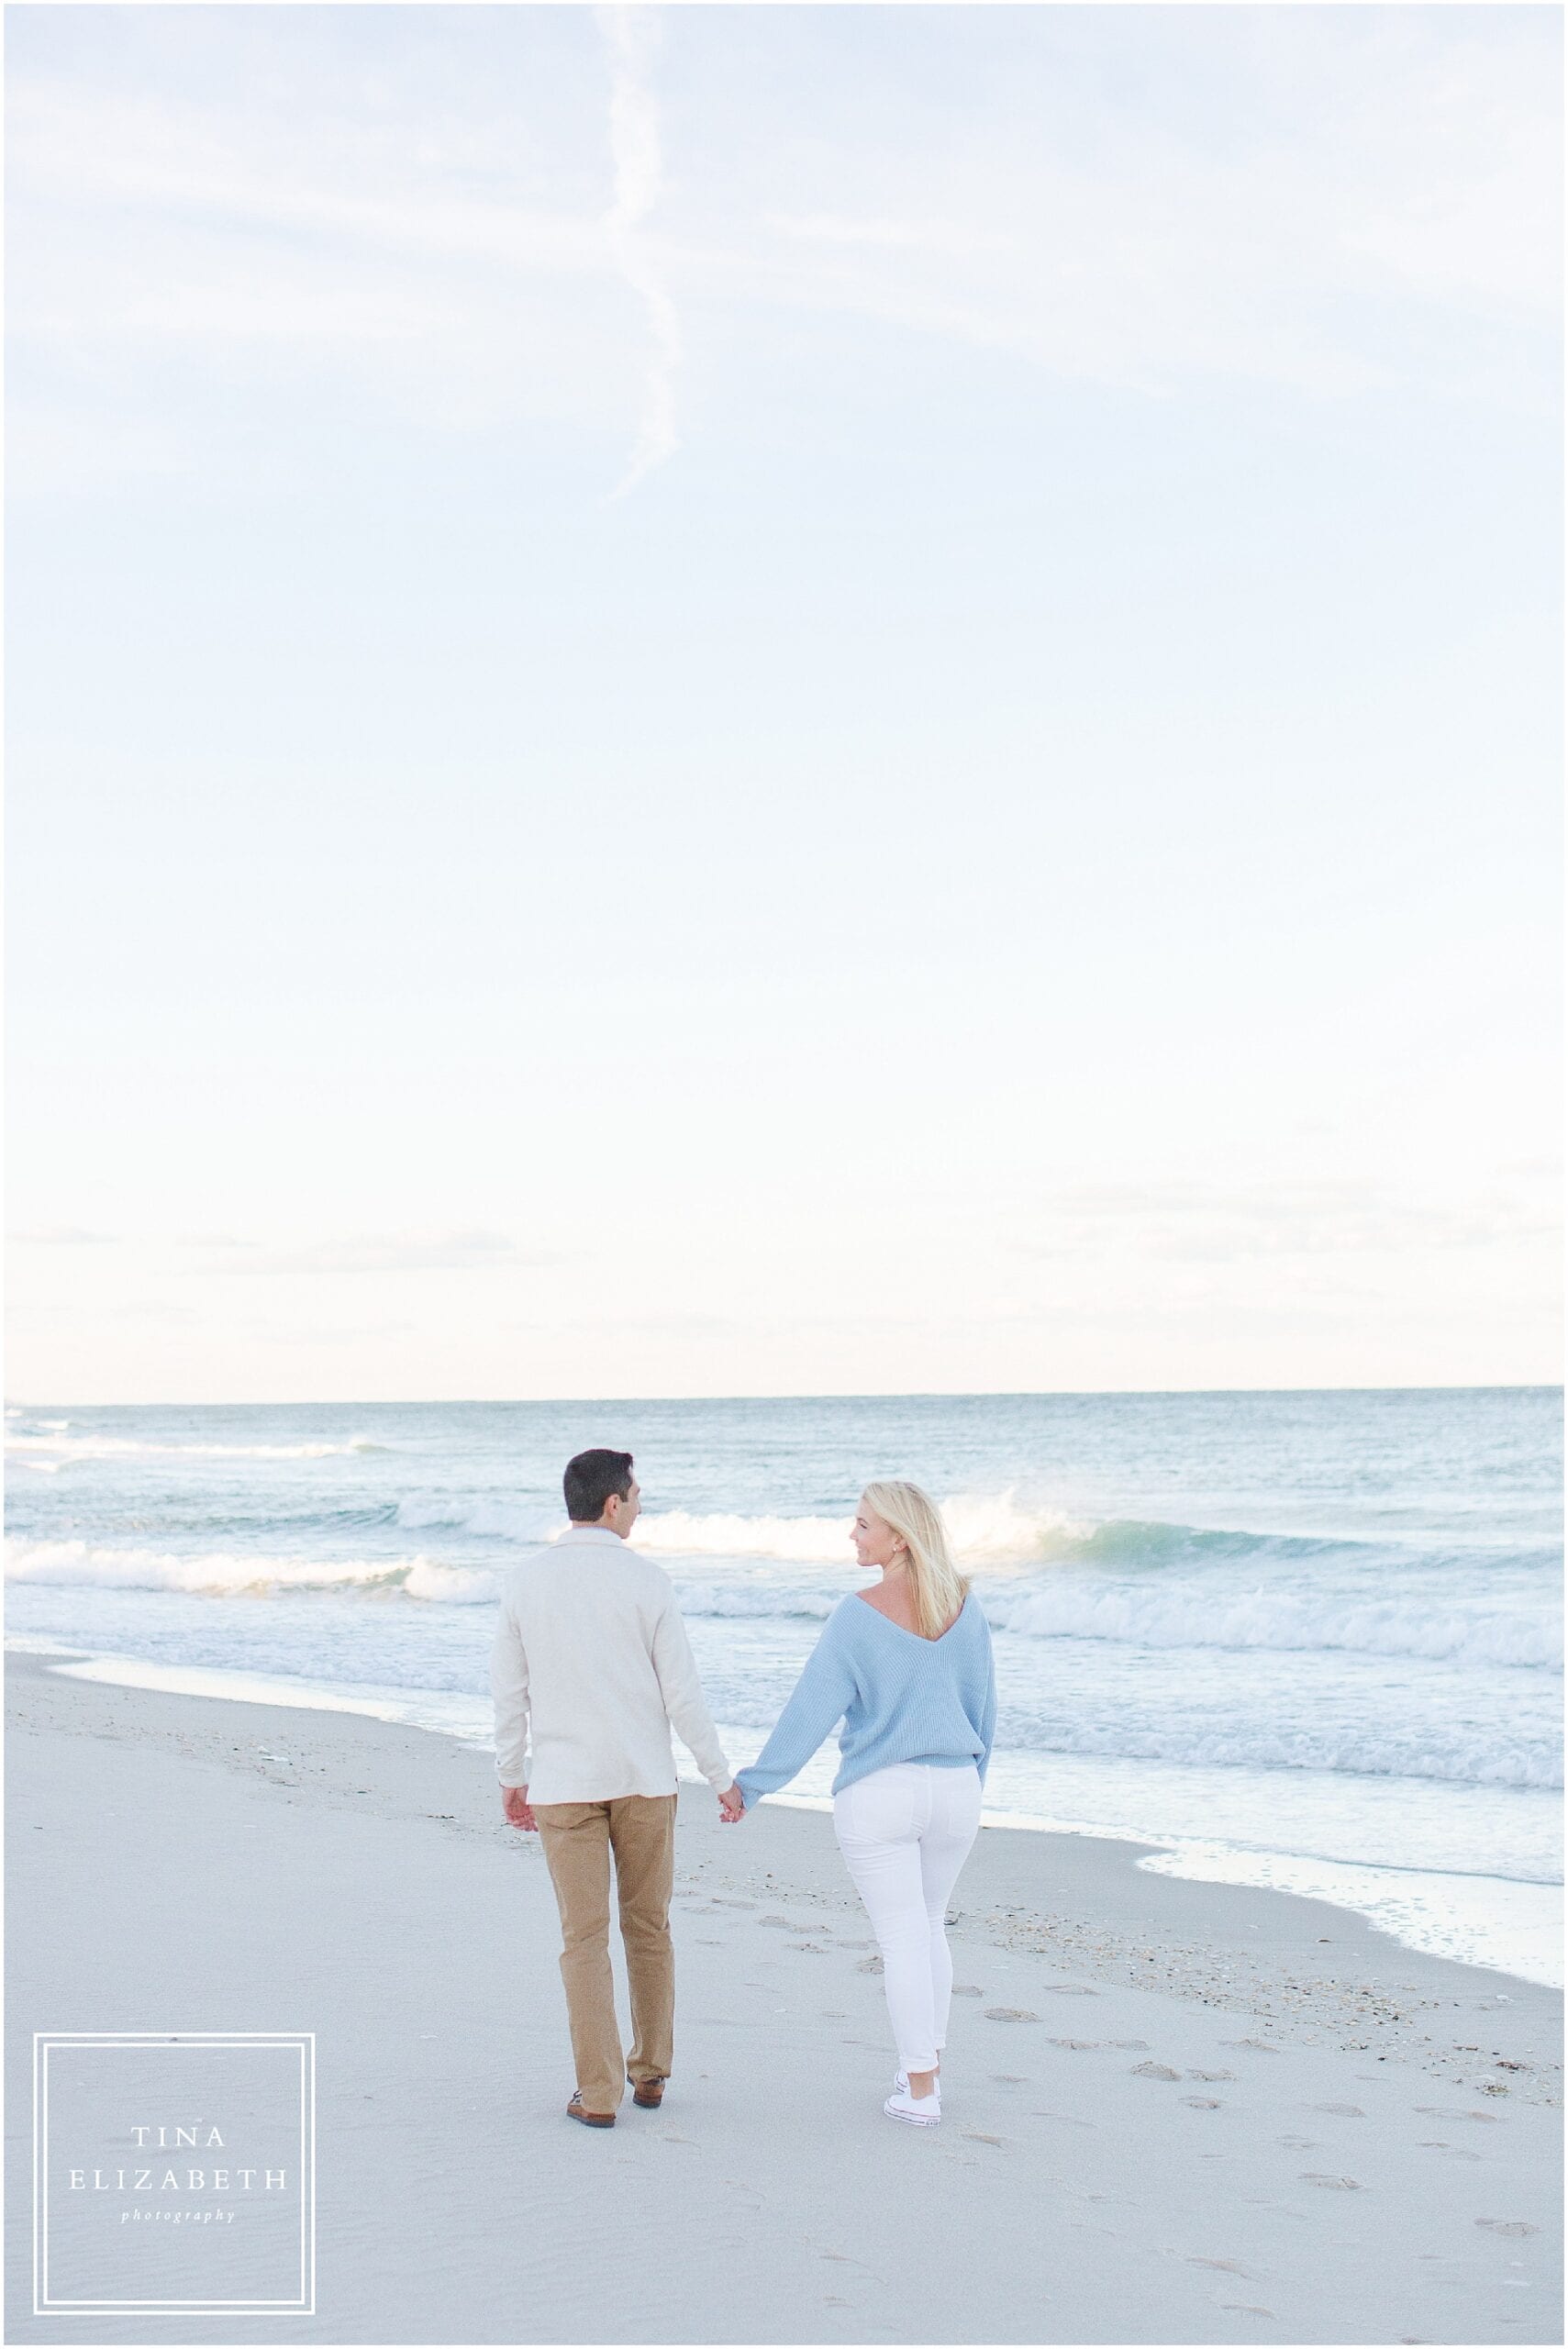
(911,1394)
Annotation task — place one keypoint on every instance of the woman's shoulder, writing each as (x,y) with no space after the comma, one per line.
(846,1612)
(972,1614)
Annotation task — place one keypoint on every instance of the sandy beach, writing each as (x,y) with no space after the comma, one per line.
(1173,2111)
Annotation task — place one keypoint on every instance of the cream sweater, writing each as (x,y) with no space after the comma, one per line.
(591,1656)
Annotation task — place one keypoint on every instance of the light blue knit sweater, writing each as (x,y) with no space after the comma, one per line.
(903,1699)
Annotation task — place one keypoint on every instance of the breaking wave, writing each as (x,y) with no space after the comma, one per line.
(1187,1617)
(491,1521)
(985,1530)
(61,1447)
(1484,1759)
(222,1574)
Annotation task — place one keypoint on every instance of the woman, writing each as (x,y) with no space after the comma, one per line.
(908,1664)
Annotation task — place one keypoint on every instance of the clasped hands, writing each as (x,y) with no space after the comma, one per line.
(519,1811)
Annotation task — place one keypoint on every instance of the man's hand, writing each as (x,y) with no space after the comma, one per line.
(732,1805)
(519,1812)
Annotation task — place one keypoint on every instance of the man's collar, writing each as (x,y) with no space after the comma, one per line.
(588,1533)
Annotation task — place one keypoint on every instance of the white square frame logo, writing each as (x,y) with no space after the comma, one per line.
(303,2042)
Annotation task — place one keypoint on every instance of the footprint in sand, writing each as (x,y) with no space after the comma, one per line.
(1202,2103)
(967,1991)
(1346,2111)
(1262,2045)
(720,1902)
(977,2137)
(1231,2267)
(783,1924)
(1210,2076)
(1300,2144)
(1237,2309)
(1341,2185)
(1456,2153)
(869,1966)
(1077,2044)
(1141,2044)
(1011,2014)
(1508,2226)
(1154,2072)
(1011,2079)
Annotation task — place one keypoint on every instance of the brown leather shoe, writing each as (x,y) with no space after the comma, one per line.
(591,2119)
(647,2093)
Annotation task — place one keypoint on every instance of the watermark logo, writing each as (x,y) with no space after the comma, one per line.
(174,2170)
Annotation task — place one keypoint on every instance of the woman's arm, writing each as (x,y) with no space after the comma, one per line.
(821,1695)
(987,1724)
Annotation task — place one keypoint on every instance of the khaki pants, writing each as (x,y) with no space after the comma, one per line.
(578,1838)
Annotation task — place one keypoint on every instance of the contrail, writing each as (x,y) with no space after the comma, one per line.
(630,33)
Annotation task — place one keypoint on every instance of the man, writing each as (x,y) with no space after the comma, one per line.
(591,1655)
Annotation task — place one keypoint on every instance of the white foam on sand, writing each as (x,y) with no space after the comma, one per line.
(451,1716)
(1477,1920)
(1489,1921)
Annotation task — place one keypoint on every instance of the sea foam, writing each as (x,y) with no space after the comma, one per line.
(224,1574)
(996,1529)
(1191,1617)
(106,1447)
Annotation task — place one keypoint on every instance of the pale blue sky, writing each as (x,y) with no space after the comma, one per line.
(770,699)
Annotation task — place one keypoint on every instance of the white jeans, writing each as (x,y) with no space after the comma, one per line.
(904,1832)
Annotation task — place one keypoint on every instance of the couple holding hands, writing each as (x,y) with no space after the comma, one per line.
(592,1669)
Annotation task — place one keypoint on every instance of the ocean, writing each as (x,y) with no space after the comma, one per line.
(1307,1639)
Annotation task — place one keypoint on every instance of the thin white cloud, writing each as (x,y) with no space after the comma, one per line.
(1210,1223)
(400,1251)
(895,235)
(1377,212)
(64,1235)
(214,163)
(630,33)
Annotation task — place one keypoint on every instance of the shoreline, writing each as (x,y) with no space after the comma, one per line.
(1188,2117)
(1288,1921)
(1530,1951)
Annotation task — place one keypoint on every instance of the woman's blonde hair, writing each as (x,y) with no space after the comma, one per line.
(940,1590)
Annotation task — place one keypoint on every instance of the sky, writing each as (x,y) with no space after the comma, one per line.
(772,700)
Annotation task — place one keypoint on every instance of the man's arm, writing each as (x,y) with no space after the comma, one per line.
(509,1689)
(681,1691)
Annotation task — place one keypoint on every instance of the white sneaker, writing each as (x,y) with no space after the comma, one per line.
(923,2111)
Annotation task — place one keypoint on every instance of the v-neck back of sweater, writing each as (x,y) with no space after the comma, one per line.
(901,1698)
